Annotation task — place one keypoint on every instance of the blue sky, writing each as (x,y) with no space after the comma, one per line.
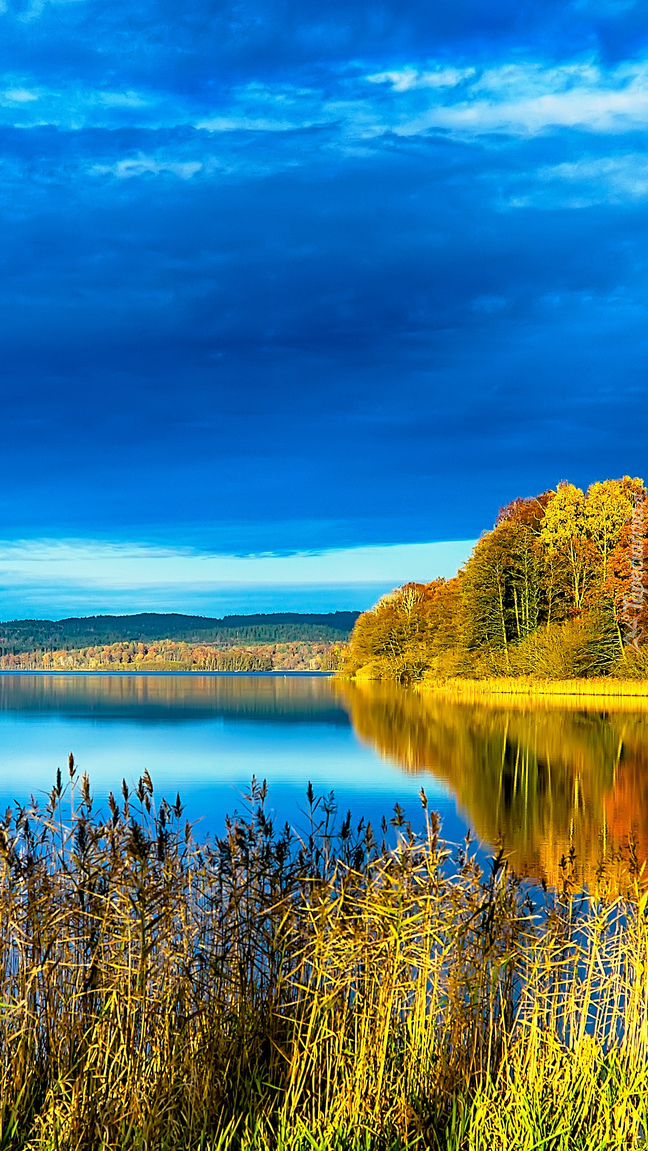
(284,278)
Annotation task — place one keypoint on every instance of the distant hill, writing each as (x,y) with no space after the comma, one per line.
(88,631)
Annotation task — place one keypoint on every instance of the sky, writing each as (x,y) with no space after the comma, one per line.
(294,296)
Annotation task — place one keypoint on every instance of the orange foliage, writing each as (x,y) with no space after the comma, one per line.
(169,655)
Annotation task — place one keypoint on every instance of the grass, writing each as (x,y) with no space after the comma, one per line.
(324,991)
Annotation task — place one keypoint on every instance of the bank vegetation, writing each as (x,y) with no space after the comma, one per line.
(556,591)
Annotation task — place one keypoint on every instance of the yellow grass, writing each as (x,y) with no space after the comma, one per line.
(582,691)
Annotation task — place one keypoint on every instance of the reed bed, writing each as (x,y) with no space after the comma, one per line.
(332,989)
(602,691)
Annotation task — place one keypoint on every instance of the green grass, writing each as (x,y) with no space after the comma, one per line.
(268,991)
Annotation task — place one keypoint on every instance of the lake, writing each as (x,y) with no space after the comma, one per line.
(561,786)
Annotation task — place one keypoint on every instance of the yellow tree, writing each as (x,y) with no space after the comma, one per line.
(608,506)
(564,534)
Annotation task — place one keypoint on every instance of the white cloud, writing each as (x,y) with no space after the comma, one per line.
(522,80)
(19,96)
(50,579)
(515,99)
(29,104)
(148,165)
(408,78)
(243,123)
(121,566)
(122,100)
(617,176)
(520,99)
(582,183)
(258,107)
(593,110)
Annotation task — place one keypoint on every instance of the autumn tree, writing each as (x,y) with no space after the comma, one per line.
(401,636)
(489,620)
(558,585)
(564,535)
(519,525)
(624,574)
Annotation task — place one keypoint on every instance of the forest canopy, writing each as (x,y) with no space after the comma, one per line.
(557,589)
(75,633)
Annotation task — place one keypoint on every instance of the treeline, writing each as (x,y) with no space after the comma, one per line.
(148,627)
(170,656)
(556,590)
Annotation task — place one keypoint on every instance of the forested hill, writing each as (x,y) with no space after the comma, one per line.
(558,589)
(280,627)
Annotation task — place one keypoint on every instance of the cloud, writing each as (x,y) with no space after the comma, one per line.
(528,99)
(463,99)
(128,566)
(123,99)
(18,96)
(604,177)
(243,123)
(148,166)
(582,183)
(54,573)
(263,292)
(409,78)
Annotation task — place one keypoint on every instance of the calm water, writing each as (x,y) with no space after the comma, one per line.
(546,780)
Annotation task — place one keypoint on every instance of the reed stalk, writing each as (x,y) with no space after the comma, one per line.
(526,687)
(330,989)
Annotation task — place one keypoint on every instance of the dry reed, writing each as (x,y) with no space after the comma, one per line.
(267,990)
(602,691)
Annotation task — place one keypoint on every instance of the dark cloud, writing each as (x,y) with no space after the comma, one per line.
(315,321)
(188,49)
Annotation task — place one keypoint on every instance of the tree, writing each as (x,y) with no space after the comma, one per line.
(518,525)
(564,534)
(400,637)
(608,508)
(488,615)
(624,585)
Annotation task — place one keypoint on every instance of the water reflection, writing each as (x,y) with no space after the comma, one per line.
(174,697)
(204,736)
(547,780)
(551,782)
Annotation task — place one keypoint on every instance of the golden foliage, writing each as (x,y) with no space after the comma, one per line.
(557,589)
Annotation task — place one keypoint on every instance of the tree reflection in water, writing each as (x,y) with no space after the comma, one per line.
(563,786)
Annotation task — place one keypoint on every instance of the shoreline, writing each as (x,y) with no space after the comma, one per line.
(162,672)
